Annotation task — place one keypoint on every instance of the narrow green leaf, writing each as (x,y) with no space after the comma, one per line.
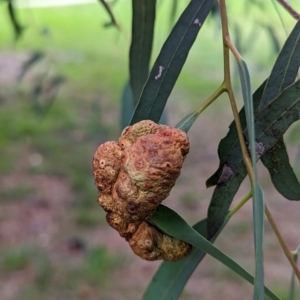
(258,199)
(172,224)
(171,277)
(127,106)
(221,200)
(292,284)
(271,123)
(285,68)
(18,28)
(170,61)
(288,63)
(231,139)
(28,64)
(231,171)
(258,220)
(143,19)
(113,21)
(281,172)
(283,74)
(186,123)
(248,104)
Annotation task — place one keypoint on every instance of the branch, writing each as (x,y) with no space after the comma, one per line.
(289,9)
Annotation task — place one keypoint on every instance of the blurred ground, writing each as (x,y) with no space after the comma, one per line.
(54,240)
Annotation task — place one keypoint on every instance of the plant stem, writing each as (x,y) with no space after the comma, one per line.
(290,255)
(228,45)
(187,122)
(280,17)
(295,252)
(289,9)
(287,253)
(220,90)
(228,86)
(239,205)
(232,212)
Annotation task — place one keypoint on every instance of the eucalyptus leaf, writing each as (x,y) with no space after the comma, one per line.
(283,74)
(127,107)
(292,284)
(170,61)
(231,139)
(113,21)
(258,199)
(270,125)
(186,123)
(143,19)
(18,28)
(285,68)
(172,224)
(221,200)
(35,57)
(258,222)
(281,172)
(171,277)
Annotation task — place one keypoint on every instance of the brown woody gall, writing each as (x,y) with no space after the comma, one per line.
(133,177)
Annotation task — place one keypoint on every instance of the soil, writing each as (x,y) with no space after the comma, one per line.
(41,220)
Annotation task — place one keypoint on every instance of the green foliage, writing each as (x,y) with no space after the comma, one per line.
(292,291)
(170,61)
(171,277)
(276,159)
(98,262)
(264,121)
(113,21)
(18,28)
(265,134)
(86,217)
(171,223)
(16,193)
(16,260)
(143,20)
(258,196)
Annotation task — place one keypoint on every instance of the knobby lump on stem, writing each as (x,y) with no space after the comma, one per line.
(133,176)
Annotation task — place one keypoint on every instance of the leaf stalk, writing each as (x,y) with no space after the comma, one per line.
(288,254)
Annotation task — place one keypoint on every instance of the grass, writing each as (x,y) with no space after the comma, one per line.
(85,218)
(98,61)
(189,200)
(66,280)
(98,263)
(16,193)
(15,260)
(89,63)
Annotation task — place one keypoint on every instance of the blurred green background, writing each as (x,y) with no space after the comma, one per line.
(54,240)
